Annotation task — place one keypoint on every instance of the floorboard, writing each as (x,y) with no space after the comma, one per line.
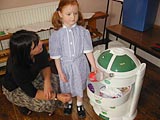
(148,106)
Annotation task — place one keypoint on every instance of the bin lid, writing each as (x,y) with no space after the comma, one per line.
(118,60)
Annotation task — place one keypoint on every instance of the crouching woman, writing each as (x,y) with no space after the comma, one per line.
(28,82)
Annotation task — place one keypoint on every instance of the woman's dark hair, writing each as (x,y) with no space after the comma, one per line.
(20,47)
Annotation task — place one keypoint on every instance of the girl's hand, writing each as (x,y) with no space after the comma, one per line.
(95,69)
(63,77)
(64,97)
(47,89)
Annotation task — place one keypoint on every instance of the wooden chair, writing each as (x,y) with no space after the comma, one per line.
(92,24)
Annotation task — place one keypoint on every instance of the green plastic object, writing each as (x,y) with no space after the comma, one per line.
(123,64)
(2,33)
(104,59)
(103,117)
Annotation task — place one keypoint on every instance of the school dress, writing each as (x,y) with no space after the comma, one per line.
(20,85)
(70,45)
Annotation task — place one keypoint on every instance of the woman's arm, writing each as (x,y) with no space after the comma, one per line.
(40,94)
(47,94)
(60,72)
(47,82)
(60,96)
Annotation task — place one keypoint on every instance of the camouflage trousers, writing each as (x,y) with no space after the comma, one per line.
(19,98)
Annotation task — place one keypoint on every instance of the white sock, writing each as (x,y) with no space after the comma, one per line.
(70,102)
(79,103)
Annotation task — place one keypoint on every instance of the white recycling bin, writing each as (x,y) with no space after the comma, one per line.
(115,93)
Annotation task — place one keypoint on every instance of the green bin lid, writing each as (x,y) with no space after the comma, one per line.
(104,59)
(121,63)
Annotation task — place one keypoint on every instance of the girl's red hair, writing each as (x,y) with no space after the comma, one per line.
(56,20)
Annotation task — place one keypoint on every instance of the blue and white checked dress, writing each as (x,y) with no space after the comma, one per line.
(70,45)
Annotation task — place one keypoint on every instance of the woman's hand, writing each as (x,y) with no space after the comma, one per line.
(64,97)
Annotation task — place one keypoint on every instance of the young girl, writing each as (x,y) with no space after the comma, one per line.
(68,45)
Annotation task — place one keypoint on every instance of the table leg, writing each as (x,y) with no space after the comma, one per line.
(135,50)
(106,40)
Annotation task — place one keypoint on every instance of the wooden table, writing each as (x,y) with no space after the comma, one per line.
(143,40)
(92,24)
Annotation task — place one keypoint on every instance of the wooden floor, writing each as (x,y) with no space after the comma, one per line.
(148,107)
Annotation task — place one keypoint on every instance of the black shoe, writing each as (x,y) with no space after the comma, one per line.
(25,111)
(68,109)
(81,111)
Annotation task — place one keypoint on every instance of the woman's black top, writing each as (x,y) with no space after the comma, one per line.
(17,76)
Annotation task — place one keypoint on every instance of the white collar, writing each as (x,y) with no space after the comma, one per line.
(71,26)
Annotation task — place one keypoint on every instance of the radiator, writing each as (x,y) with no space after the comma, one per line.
(21,16)
(28,17)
